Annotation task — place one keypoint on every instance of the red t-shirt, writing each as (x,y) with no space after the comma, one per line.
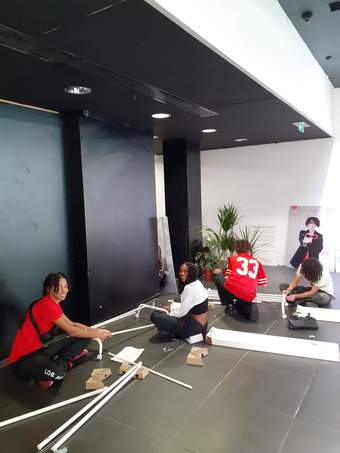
(244,273)
(45,312)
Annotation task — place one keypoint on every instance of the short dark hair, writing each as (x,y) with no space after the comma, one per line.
(312,269)
(242,246)
(192,275)
(313,219)
(52,281)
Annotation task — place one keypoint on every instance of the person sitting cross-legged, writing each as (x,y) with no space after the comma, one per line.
(188,317)
(238,288)
(320,290)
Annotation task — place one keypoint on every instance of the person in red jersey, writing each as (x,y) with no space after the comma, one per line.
(238,288)
(32,356)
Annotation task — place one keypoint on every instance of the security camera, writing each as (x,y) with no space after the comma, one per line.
(307,16)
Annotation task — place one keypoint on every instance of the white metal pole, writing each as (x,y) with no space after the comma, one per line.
(128,376)
(132,330)
(283,308)
(78,414)
(100,348)
(43,410)
(116,318)
(183,384)
(141,306)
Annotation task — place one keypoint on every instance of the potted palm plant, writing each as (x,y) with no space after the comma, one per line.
(222,239)
(207,261)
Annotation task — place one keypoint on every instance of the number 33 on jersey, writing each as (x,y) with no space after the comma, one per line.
(244,273)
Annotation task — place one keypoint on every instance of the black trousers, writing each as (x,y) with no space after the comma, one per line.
(180,327)
(320,298)
(246,309)
(49,363)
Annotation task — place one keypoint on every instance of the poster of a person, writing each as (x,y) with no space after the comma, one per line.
(311,242)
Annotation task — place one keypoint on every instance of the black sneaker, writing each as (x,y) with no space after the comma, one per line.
(161,338)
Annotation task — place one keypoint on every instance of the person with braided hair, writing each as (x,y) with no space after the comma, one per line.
(189,316)
(321,290)
(33,357)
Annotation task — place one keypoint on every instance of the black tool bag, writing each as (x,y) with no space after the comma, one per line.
(302,323)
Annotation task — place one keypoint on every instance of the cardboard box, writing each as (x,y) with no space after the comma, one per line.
(195,360)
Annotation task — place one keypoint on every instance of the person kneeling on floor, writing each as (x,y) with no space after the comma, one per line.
(31,357)
(321,290)
(238,288)
(190,316)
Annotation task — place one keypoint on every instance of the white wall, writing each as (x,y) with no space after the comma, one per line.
(257,37)
(264,180)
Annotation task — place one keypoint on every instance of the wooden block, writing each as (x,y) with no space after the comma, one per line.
(201,352)
(94,384)
(193,359)
(124,368)
(142,373)
(101,373)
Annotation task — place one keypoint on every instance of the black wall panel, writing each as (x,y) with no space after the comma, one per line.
(33,217)
(182,179)
(120,212)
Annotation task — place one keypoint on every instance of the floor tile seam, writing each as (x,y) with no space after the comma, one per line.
(231,398)
(203,401)
(261,406)
(133,428)
(313,421)
(217,385)
(305,393)
(276,369)
(285,437)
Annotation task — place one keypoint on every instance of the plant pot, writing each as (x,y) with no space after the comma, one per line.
(208,275)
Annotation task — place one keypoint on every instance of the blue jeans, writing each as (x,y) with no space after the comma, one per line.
(180,327)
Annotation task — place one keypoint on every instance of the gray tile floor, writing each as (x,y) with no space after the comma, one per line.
(241,402)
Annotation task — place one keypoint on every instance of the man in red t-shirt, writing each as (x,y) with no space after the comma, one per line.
(244,273)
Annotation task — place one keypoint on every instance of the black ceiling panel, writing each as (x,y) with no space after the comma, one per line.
(135,41)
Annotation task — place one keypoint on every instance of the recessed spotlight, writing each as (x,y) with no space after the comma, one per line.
(161,116)
(72,89)
(240,140)
(209,131)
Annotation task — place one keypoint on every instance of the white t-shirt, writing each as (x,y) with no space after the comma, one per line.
(193,294)
(325,283)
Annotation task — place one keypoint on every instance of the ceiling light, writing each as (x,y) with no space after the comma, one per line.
(161,116)
(72,89)
(155,136)
(208,131)
(240,140)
